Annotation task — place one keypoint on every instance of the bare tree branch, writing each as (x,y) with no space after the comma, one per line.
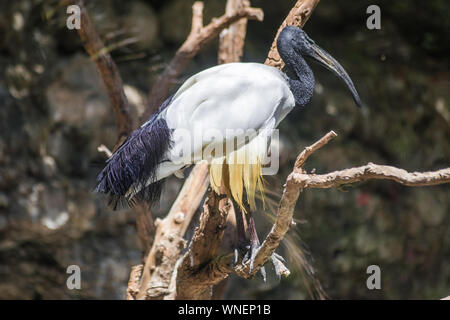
(108,71)
(372,171)
(168,242)
(232,39)
(133,282)
(198,37)
(190,283)
(299,180)
(114,86)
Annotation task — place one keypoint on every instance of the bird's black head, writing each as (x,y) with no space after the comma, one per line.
(293,38)
(293,41)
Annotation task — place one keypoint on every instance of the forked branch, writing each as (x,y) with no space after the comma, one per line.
(299,180)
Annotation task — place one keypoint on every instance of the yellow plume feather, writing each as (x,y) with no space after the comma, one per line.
(241,171)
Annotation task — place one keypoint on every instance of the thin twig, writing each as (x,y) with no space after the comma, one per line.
(105,150)
(302,157)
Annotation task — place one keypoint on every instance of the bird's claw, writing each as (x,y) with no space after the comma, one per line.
(253,251)
(250,256)
(276,259)
(235,257)
(276,264)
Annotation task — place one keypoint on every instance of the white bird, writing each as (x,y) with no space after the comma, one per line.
(222,103)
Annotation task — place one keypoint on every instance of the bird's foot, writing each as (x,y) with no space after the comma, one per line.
(249,252)
(241,249)
(276,259)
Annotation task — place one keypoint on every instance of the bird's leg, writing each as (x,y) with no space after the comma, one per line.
(251,246)
(254,242)
(242,243)
(254,246)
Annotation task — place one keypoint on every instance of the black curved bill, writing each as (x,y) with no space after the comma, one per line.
(330,63)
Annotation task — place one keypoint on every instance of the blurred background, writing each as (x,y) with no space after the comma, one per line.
(54,113)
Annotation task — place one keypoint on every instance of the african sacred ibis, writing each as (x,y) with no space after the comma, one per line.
(226,98)
(232,97)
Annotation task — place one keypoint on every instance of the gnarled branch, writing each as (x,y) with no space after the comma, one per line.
(168,242)
(299,180)
(190,282)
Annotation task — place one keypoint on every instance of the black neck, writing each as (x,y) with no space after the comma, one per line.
(302,88)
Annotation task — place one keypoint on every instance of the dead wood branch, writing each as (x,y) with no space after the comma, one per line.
(168,242)
(373,171)
(144,226)
(190,282)
(299,180)
(114,86)
(133,282)
(198,37)
(108,71)
(232,39)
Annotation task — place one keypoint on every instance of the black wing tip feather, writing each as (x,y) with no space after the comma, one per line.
(150,194)
(135,164)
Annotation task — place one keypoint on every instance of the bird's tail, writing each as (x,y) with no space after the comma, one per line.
(130,174)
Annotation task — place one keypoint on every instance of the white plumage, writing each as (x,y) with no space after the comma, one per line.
(230,97)
(227,99)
